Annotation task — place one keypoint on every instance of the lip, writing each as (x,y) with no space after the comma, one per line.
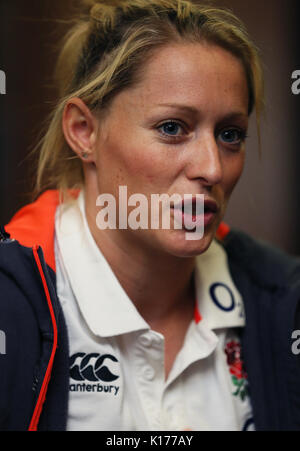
(191,221)
(210,205)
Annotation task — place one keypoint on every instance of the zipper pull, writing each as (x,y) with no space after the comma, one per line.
(4,236)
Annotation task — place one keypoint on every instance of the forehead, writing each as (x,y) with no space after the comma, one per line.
(193,75)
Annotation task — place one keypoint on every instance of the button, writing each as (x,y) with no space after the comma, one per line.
(145,341)
(158,339)
(149,373)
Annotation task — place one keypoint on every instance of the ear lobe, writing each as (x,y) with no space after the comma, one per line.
(79,127)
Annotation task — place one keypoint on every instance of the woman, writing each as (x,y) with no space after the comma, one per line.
(147,327)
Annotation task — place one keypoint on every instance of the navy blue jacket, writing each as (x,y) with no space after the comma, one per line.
(34,371)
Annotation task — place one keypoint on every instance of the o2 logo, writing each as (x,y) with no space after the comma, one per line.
(220,291)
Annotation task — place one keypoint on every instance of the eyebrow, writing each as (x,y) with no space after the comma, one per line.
(179,106)
(193,110)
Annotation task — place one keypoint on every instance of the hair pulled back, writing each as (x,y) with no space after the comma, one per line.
(105,51)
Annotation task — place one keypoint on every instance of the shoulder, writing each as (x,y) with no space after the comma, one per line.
(19,327)
(264,263)
(24,310)
(15,269)
(18,318)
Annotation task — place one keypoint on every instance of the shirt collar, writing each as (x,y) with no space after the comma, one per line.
(219,302)
(103,302)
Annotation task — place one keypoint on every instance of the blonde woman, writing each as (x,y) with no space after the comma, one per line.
(123,324)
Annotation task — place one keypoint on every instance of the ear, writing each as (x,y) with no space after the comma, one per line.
(80,128)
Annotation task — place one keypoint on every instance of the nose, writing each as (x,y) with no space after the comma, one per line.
(204,160)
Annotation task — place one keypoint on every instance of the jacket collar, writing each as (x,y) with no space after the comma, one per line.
(34,224)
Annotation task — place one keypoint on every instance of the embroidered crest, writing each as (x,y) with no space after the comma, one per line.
(238,375)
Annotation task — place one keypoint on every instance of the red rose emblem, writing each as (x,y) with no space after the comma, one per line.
(239,376)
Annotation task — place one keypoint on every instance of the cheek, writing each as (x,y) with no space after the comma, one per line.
(233,170)
(139,166)
(118,164)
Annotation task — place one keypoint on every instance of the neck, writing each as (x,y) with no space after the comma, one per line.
(160,286)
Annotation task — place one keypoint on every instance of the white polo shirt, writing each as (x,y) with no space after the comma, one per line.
(117,378)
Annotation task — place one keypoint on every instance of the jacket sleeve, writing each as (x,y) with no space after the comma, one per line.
(19,351)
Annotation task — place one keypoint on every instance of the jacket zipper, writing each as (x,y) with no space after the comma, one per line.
(42,395)
(4,237)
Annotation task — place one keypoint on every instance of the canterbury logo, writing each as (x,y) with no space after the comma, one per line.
(91,367)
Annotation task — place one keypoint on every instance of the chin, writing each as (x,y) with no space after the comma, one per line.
(179,246)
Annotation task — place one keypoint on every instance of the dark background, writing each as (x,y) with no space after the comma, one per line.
(264,204)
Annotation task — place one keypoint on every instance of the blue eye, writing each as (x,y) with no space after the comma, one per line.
(233,136)
(170,128)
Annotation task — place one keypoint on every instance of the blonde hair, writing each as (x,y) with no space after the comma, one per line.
(105,50)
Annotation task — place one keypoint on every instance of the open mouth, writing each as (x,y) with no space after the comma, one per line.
(190,206)
(189,213)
